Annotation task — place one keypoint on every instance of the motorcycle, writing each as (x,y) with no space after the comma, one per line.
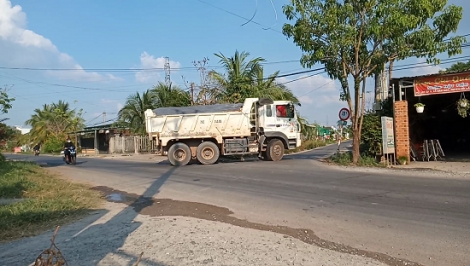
(70,155)
(36,152)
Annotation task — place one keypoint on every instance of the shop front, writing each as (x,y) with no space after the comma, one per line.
(431,115)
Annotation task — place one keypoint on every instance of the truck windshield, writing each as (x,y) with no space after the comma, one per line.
(285,111)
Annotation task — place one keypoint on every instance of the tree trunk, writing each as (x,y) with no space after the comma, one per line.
(356,121)
(356,143)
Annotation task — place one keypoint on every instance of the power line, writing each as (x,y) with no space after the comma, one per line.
(93,119)
(236,15)
(131,69)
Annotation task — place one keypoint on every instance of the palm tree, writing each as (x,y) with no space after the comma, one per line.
(54,121)
(132,115)
(245,79)
(269,88)
(168,95)
(239,77)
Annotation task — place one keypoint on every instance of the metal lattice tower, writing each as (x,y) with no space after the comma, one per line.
(167,71)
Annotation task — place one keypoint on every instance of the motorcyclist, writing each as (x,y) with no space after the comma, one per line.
(37,147)
(68,143)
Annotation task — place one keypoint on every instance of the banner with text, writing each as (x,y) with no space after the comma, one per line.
(459,82)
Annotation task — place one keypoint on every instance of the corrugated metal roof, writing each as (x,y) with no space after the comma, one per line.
(199,109)
(431,75)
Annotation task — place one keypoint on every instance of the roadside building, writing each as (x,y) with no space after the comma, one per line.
(431,118)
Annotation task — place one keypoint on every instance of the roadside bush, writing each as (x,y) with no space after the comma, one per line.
(371,136)
(53,145)
(2,158)
(346,159)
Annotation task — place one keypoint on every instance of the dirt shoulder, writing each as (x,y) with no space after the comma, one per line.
(117,236)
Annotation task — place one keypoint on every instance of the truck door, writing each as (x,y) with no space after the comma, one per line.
(269,117)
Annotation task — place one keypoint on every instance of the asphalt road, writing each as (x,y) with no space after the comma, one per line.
(424,219)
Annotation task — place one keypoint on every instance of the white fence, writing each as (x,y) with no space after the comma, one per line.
(131,144)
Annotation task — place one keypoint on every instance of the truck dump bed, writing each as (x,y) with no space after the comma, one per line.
(199,109)
(203,121)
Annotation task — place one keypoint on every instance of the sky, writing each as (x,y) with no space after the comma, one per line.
(87,52)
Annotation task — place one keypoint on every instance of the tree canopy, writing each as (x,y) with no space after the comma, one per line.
(458,67)
(5,102)
(245,78)
(53,122)
(356,38)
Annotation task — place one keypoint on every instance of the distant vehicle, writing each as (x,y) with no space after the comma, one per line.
(204,132)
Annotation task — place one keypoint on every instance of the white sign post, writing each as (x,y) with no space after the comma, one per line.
(343,115)
(388,136)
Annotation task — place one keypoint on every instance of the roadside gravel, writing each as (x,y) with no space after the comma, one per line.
(117,235)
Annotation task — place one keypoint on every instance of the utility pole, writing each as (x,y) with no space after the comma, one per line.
(385,81)
(380,89)
(167,71)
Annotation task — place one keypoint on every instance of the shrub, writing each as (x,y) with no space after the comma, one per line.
(53,145)
(346,159)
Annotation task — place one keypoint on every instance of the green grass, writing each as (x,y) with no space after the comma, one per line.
(345,159)
(45,200)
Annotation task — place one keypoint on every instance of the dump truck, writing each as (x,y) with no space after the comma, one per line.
(205,132)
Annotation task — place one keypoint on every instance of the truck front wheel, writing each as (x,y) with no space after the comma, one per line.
(179,154)
(275,150)
(207,152)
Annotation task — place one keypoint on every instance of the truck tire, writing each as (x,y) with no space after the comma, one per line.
(207,152)
(275,150)
(179,154)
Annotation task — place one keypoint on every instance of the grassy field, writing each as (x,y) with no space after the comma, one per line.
(33,200)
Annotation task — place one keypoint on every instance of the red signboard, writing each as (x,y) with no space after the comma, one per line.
(442,84)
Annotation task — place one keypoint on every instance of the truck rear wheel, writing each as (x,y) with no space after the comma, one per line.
(275,150)
(179,154)
(207,152)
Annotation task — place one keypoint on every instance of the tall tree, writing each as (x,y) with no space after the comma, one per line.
(356,38)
